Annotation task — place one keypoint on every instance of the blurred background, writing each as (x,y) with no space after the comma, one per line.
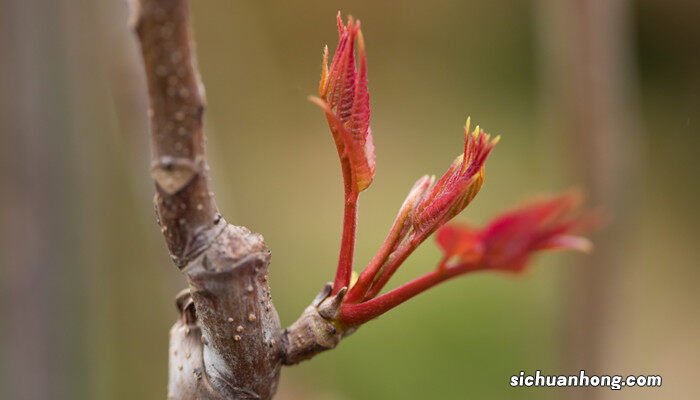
(599,94)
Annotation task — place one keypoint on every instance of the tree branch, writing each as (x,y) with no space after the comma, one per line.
(227,344)
(185,206)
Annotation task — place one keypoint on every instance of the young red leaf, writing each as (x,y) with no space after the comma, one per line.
(344,97)
(458,186)
(508,242)
(433,208)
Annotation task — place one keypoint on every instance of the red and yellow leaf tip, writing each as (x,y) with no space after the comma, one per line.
(459,185)
(344,97)
(508,242)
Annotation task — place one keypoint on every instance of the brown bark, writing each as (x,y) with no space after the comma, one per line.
(228,343)
(315,332)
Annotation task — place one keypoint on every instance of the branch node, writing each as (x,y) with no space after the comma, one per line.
(172,174)
(316,330)
(330,307)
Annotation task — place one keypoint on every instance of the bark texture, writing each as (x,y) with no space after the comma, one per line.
(228,343)
(315,331)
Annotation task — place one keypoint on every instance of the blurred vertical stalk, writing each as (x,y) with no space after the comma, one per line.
(38,249)
(589,86)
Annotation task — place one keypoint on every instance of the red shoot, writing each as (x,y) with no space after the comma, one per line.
(344,98)
(507,243)
(432,209)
